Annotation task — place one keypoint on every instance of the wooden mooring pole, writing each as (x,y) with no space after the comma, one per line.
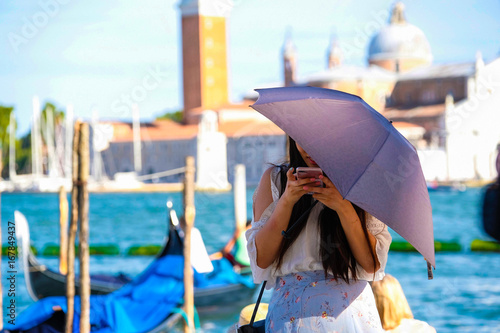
(70,278)
(63,231)
(240,198)
(83,239)
(189,215)
(79,220)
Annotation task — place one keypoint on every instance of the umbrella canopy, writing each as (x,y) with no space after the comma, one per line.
(369,161)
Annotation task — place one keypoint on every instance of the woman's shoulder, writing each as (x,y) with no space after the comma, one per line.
(264,194)
(265,180)
(268,172)
(269,184)
(273,172)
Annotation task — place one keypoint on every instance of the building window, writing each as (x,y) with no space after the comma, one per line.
(209,62)
(209,43)
(208,23)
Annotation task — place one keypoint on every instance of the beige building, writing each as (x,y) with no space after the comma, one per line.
(166,143)
(402,83)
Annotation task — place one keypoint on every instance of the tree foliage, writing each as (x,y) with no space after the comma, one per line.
(172,115)
(5,128)
(5,112)
(57,114)
(23,144)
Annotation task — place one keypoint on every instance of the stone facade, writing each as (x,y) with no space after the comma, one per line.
(257,153)
(157,156)
(427,91)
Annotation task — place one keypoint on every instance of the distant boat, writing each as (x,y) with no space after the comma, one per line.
(37,181)
(456,186)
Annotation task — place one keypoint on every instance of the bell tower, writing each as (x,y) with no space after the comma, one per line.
(334,53)
(204,55)
(289,60)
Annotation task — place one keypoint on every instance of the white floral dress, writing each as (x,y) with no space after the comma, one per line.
(303,300)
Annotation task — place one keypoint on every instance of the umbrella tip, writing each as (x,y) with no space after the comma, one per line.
(430,274)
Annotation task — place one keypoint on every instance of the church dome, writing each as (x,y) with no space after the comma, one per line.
(399,41)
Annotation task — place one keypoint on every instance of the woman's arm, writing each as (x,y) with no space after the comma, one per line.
(330,197)
(357,240)
(268,239)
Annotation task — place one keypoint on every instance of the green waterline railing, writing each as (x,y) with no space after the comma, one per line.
(52,249)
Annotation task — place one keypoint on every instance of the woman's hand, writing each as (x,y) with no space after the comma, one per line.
(329,195)
(268,239)
(296,188)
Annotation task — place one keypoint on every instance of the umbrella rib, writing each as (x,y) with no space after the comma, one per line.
(367,165)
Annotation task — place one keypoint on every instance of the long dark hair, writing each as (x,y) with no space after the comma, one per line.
(334,250)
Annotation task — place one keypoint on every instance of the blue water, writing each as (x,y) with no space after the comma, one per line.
(463,297)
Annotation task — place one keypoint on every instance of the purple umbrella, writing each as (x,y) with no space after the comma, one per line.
(369,161)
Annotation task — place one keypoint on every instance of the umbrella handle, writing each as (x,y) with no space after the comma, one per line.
(285,234)
(430,275)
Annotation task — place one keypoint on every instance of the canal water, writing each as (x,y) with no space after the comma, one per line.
(463,297)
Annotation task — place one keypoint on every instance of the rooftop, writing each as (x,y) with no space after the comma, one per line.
(347,72)
(416,112)
(158,130)
(439,71)
(163,130)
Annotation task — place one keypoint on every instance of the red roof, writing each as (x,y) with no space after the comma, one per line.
(159,130)
(249,128)
(166,130)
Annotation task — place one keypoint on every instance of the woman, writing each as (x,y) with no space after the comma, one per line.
(394,310)
(320,271)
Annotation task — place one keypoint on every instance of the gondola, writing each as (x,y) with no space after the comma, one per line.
(43,282)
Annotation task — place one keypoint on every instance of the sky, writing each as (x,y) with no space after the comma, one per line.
(100,56)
